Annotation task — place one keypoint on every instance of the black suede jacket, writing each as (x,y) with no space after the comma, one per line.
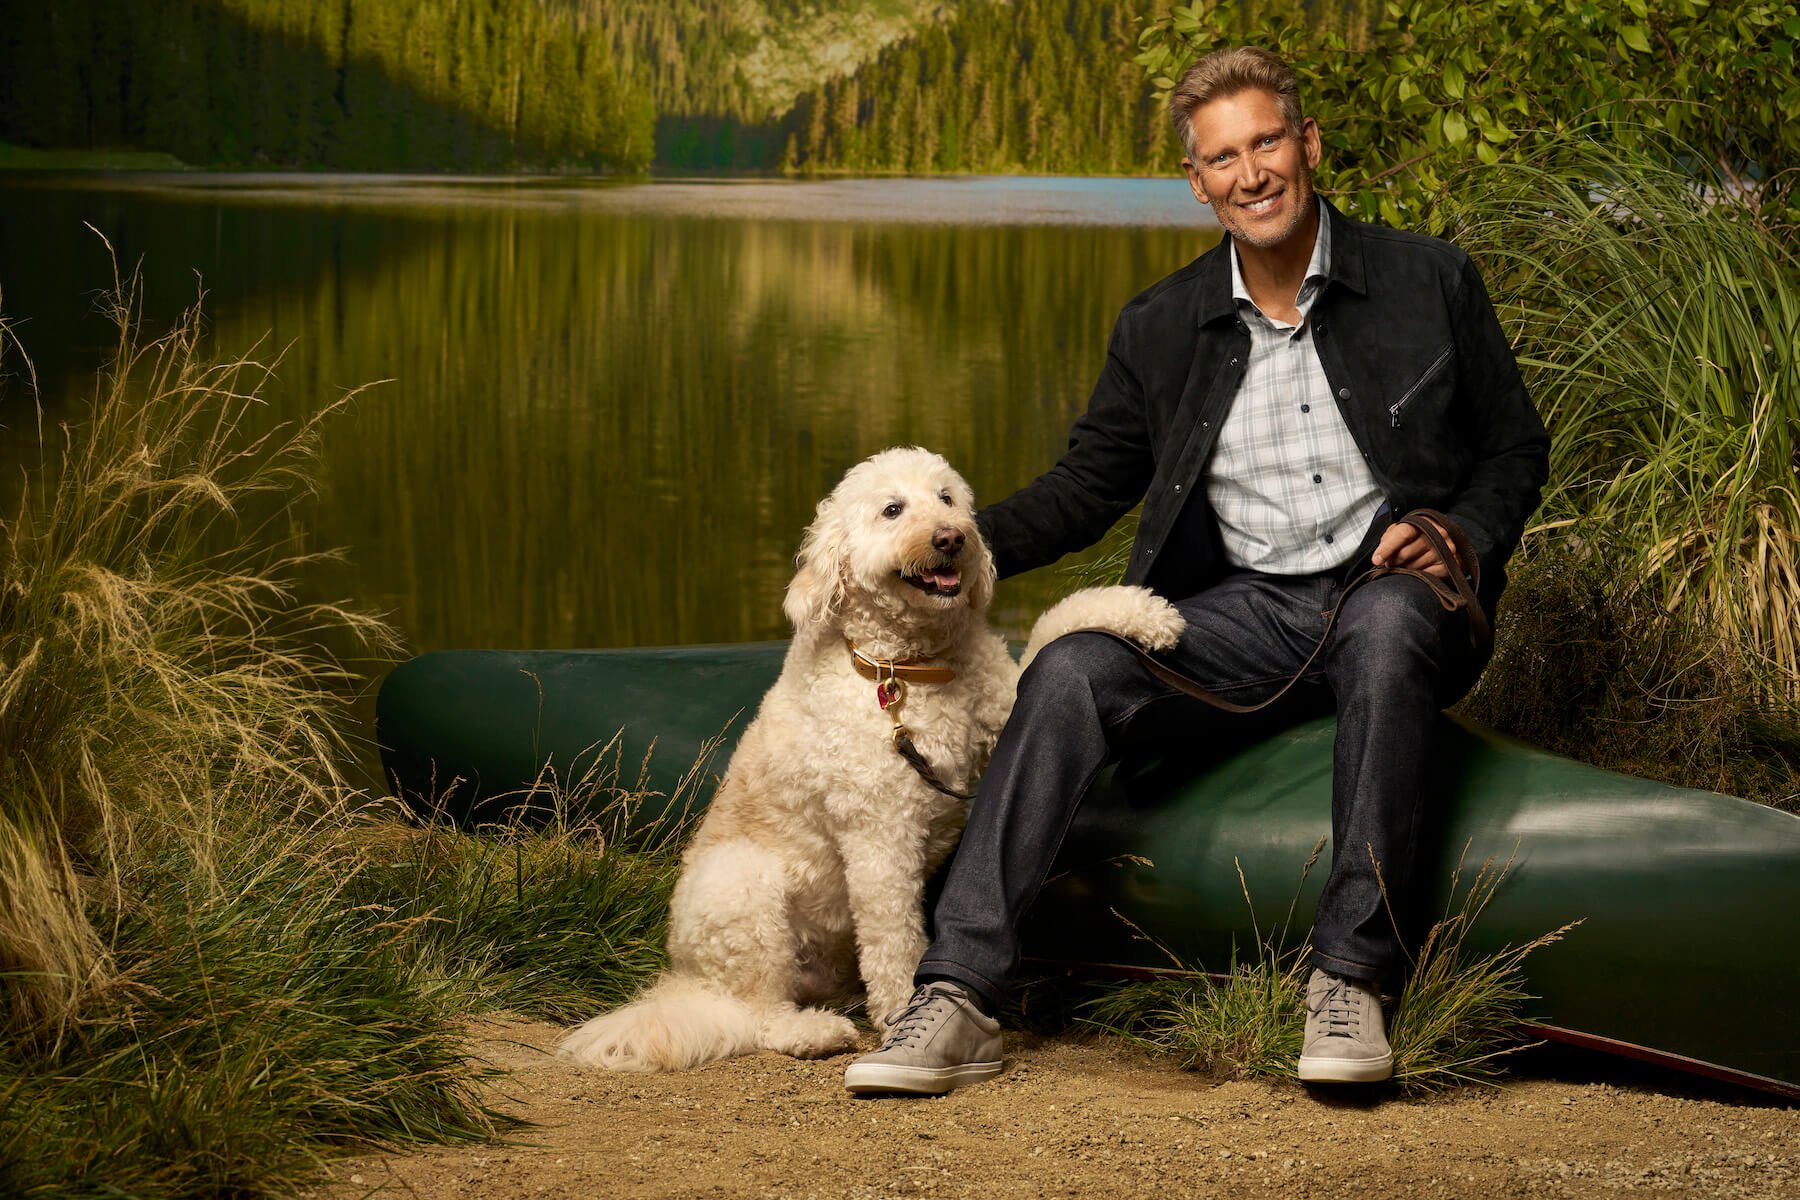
(1420,368)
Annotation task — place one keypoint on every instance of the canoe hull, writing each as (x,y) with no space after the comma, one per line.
(1689,902)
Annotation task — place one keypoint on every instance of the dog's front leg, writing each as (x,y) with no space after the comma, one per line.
(885,878)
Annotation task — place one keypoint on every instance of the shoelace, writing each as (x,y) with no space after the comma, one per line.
(913,1018)
(1342,1006)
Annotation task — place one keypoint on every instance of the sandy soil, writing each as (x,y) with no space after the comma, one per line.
(1075,1118)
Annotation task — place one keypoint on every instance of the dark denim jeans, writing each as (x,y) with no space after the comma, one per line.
(1394,660)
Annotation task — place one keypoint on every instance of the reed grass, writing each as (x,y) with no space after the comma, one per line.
(1657,315)
(218,962)
(1455,1022)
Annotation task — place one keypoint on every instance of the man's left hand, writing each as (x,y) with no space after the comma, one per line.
(1404,546)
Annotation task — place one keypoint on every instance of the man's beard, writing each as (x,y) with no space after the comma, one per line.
(1300,191)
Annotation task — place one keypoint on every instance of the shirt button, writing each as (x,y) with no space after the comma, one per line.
(1343,393)
(1318,479)
(1328,539)
(1306,408)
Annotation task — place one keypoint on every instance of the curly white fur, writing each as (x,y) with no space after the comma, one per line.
(810,865)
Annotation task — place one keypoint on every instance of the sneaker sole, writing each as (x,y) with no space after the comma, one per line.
(1346,1070)
(861,1078)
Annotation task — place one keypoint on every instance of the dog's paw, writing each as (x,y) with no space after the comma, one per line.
(807,1033)
(1134,612)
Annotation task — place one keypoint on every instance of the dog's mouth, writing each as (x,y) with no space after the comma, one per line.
(935,581)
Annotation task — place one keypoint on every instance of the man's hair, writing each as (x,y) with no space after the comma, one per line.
(1226,73)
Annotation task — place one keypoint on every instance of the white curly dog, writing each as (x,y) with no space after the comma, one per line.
(810,864)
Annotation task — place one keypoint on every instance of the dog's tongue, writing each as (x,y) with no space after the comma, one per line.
(943,578)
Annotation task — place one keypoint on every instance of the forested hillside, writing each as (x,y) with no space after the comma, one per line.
(806,85)
(375,84)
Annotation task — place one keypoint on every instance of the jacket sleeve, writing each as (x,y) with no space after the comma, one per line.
(1509,446)
(1100,477)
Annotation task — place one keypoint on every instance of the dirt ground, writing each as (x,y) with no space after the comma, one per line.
(1081,1118)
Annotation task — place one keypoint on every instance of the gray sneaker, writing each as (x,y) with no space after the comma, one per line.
(1345,1040)
(939,1041)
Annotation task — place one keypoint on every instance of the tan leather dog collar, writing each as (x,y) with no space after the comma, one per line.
(911,671)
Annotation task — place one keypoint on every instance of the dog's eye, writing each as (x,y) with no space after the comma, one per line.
(892,510)
(946,498)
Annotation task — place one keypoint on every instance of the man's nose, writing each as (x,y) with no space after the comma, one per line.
(947,541)
(1250,170)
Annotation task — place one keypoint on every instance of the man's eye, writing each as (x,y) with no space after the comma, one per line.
(892,510)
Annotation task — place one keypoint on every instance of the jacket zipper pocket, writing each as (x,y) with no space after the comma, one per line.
(1437,364)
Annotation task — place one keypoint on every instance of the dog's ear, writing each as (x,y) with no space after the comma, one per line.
(818,584)
(981,578)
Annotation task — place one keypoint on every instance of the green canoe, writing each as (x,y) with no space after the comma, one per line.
(1688,952)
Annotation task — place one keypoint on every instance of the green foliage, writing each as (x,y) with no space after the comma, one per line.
(1590,666)
(1658,320)
(217,964)
(1437,85)
(370,84)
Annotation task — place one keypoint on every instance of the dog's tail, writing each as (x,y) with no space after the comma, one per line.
(679,1022)
(1134,612)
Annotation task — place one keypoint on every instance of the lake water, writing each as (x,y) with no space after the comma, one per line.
(611,408)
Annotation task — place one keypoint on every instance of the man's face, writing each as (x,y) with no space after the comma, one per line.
(1254,171)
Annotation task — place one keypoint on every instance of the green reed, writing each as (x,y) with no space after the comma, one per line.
(1455,1022)
(218,962)
(1657,316)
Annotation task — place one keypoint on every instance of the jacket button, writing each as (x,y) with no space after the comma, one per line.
(1178,487)
(1343,393)
(1234,362)
(1319,330)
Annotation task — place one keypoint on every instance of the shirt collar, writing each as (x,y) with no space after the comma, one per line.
(1215,267)
(1318,267)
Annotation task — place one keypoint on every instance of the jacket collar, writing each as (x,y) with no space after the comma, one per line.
(1344,270)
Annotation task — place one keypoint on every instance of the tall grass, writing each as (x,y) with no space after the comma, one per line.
(1658,320)
(218,963)
(158,679)
(1654,623)
(1456,1020)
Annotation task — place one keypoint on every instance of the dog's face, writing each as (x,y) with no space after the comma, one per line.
(899,531)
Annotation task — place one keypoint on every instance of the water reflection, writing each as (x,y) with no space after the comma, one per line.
(608,420)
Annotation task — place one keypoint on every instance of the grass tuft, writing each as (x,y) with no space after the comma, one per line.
(1456,1020)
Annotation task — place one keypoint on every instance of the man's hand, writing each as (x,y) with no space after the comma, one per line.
(1404,546)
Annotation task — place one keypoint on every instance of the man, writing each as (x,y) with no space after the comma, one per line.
(1276,404)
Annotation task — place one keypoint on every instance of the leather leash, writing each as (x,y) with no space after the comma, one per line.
(891,679)
(1459,592)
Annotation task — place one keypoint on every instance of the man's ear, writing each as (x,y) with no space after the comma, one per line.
(1309,138)
(1194,184)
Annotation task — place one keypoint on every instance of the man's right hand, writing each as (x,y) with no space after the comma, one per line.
(1404,546)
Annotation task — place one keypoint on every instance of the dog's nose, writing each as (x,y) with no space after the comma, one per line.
(947,541)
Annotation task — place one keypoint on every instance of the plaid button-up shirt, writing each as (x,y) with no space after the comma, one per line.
(1286,480)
